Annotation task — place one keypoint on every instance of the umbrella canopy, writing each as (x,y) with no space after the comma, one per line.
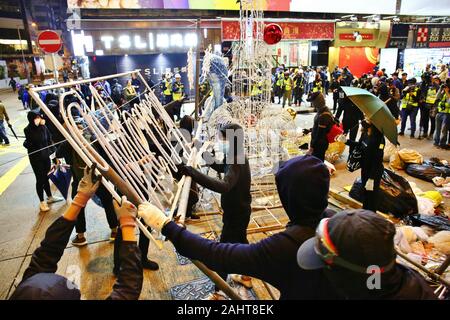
(375,110)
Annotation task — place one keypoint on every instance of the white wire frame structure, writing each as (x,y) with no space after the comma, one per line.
(124,135)
(136,172)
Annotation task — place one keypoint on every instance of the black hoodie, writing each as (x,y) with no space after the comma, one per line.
(303,184)
(37,138)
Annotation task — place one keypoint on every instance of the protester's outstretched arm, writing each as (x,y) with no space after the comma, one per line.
(46,257)
(217,185)
(222,257)
(128,285)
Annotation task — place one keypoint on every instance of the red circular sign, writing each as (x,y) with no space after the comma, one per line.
(49,41)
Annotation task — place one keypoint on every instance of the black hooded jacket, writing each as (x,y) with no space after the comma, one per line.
(234,187)
(40,281)
(303,184)
(37,138)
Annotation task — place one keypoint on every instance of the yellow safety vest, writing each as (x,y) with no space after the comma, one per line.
(444,105)
(407,99)
(288,83)
(177,91)
(256,90)
(317,87)
(431,95)
(168,90)
(280,81)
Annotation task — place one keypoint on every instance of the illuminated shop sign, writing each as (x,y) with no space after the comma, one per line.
(114,43)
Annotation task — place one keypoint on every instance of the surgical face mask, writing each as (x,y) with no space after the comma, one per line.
(37,121)
(42,122)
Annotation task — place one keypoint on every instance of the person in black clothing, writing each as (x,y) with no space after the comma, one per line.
(299,86)
(40,282)
(117,92)
(393,98)
(303,183)
(234,187)
(323,121)
(355,249)
(372,143)
(351,118)
(336,88)
(13,84)
(38,142)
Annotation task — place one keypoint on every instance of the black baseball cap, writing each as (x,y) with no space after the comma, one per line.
(360,238)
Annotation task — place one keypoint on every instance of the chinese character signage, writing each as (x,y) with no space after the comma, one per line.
(431,36)
(291,30)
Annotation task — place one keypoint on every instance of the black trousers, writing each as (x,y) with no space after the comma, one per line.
(370,201)
(298,96)
(335,104)
(107,202)
(424,118)
(41,167)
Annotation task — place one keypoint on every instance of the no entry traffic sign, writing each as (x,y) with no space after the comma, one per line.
(49,41)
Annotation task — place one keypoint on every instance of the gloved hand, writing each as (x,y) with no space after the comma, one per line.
(87,186)
(153,216)
(126,212)
(341,138)
(184,170)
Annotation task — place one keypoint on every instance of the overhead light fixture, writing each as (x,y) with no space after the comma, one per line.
(351,17)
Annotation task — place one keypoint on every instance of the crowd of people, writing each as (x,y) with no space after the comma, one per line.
(318,256)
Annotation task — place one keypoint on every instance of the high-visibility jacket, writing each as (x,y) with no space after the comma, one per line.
(317,86)
(411,98)
(257,88)
(178,90)
(444,105)
(299,82)
(280,80)
(288,84)
(431,95)
(167,87)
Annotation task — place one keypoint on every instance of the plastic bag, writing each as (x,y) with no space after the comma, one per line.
(396,195)
(426,206)
(61,176)
(334,151)
(410,156)
(441,241)
(389,151)
(427,171)
(396,162)
(437,222)
(434,196)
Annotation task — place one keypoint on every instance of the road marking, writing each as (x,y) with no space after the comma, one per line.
(9,177)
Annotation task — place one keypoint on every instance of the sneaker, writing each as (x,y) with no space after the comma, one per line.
(43,206)
(401,134)
(79,241)
(53,199)
(245,282)
(217,295)
(149,264)
(113,235)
